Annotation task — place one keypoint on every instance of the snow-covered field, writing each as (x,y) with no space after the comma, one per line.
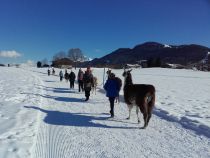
(41,117)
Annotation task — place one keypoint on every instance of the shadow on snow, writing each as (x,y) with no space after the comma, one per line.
(74,119)
(62,99)
(184,121)
(56,90)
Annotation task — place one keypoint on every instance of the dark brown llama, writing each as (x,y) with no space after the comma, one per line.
(140,95)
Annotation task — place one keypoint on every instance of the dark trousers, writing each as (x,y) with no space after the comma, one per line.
(80,84)
(111,100)
(87,94)
(61,78)
(71,84)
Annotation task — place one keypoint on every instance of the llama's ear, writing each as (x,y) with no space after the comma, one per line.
(130,70)
(124,68)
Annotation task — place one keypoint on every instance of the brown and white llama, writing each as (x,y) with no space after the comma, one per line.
(95,84)
(140,95)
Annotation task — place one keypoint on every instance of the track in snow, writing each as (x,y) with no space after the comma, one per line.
(70,127)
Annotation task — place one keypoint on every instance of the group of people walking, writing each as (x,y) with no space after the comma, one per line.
(86,82)
(48,71)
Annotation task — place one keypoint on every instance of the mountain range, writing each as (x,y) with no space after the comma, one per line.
(174,54)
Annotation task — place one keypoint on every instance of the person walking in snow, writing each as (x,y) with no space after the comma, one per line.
(53,71)
(112,91)
(72,79)
(48,72)
(66,75)
(61,75)
(80,80)
(88,83)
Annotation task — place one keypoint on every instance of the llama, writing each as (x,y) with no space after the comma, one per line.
(119,81)
(95,83)
(140,95)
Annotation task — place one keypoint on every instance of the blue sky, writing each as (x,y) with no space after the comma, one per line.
(38,29)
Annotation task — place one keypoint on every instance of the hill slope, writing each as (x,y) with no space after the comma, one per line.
(183,54)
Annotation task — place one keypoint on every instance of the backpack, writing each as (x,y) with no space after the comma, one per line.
(80,76)
(119,81)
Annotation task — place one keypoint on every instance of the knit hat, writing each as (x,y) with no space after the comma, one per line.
(88,68)
(112,75)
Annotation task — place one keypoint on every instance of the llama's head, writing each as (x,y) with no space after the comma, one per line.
(127,75)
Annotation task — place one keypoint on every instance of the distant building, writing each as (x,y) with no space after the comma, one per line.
(132,66)
(143,63)
(63,63)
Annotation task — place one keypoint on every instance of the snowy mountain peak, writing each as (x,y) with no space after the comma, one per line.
(167,46)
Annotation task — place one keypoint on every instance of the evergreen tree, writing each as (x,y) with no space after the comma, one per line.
(158,62)
(39,64)
(150,62)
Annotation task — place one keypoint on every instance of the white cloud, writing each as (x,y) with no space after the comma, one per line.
(9,54)
(29,63)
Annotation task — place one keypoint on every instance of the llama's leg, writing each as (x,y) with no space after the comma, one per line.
(145,119)
(129,108)
(149,116)
(145,113)
(150,108)
(137,113)
(117,100)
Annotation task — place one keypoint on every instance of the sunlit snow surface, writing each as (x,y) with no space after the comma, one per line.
(41,117)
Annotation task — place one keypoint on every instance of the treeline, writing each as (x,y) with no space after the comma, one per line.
(154,62)
(73,54)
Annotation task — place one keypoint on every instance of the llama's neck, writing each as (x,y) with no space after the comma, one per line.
(128,81)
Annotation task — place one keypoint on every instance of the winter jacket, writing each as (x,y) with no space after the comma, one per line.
(72,76)
(80,75)
(88,81)
(61,74)
(112,88)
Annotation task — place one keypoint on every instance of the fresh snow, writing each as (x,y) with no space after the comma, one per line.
(42,118)
(167,46)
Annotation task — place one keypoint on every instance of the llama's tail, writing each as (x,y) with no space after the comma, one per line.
(152,101)
(151,97)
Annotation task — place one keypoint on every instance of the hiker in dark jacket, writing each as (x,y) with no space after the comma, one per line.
(80,80)
(112,91)
(72,79)
(88,83)
(66,75)
(61,75)
(48,72)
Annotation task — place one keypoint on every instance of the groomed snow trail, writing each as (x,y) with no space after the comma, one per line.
(18,125)
(70,127)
